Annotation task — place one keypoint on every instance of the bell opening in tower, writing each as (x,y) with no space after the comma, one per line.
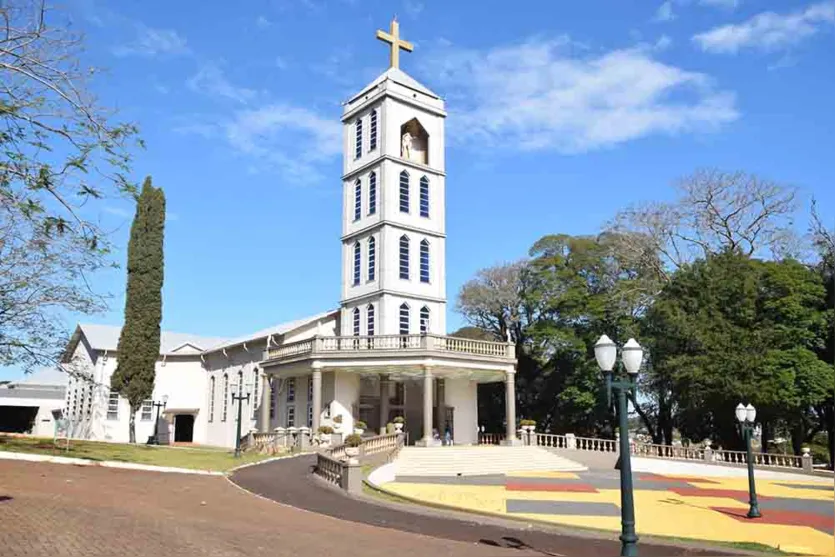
(414,142)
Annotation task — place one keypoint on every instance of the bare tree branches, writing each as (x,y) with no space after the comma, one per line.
(59,149)
(714,211)
(492,301)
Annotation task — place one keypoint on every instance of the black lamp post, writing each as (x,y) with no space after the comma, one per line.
(154,440)
(746,415)
(239,397)
(605,352)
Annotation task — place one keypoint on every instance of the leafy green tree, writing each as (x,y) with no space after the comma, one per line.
(139,341)
(730,329)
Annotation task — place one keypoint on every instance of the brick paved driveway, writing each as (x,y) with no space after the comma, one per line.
(61,510)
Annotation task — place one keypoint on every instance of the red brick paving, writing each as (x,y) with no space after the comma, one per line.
(61,510)
(737,494)
(566,487)
(790,518)
(686,479)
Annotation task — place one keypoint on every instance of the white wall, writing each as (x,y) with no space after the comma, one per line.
(462,395)
(44,424)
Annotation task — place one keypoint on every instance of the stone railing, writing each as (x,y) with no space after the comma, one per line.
(317,346)
(667,451)
(336,466)
(760,459)
(280,440)
(490,438)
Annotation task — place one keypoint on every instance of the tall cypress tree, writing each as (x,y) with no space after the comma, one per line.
(139,341)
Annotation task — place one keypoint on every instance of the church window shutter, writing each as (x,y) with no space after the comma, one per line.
(424,197)
(225,397)
(370,320)
(356,313)
(424,261)
(404,192)
(372,193)
(357,200)
(424,320)
(212,399)
(404,318)
(372,132)
(404,257)
(358,147)
(357,262)
(372,258)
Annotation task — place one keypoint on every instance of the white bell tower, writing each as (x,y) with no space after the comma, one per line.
(393,231)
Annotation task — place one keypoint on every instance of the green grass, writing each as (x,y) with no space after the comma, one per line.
(208,458)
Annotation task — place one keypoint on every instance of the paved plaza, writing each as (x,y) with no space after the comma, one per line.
(797,513)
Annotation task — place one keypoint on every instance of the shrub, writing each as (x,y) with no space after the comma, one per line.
(359,424)
(399,420)
(325,429)
(353,440)
(527,422)
(389,428)
(338,419)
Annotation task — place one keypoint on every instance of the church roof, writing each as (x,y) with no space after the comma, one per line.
(398,76)
(280,329)
(106,337)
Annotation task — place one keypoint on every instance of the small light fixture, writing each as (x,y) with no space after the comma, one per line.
(165,399)
(750,413)
(632,356)
(605,352)
(740,413)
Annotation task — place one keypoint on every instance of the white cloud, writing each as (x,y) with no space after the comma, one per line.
(665,12)
(663,43)
(285,138)
(120,212)
(768,31)
(153,42)
(724,4)
(413,7)
(542,95)
(211,80)
(281,63)
(262,22)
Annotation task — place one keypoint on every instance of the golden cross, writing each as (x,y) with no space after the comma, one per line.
(393,38)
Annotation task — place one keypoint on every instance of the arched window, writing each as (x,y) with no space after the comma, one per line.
(372,193)
(404,257)
(369,314)
(356,313)
(404,318)
(212,399)
(357,199)
(424,197)
(255,397)
(372,258)
(358,147)
(404,192)
(357,261)
(372,132)
(424,261)
(424,320)
(225,397)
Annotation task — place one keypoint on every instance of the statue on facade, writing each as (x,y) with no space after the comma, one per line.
(406,146)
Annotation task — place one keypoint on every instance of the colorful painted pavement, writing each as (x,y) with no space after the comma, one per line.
(797,515)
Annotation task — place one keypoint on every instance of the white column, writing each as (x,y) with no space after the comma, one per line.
(427,405)
(510,407)
(317,399)
(266,396)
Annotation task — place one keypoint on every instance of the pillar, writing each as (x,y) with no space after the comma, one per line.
(427,406)
(510,408)
(266,397)
(384,403)
(317,399)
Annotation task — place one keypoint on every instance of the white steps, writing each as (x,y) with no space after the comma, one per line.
(478,460)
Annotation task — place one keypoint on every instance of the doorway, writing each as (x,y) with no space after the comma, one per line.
(184,428)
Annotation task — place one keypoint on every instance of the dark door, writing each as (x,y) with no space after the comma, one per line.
(183,428)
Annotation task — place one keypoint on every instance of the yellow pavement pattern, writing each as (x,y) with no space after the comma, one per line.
(658,512)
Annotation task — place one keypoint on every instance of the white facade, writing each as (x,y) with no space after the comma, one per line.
(32,404)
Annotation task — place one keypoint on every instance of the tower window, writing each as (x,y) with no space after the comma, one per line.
(356,317)
(404,192)
(358,147)
(372,193)
(372,132)
(370,320)
(404,257)
(424,196)
(372,258)
(404,319)
(357,200)
(424,261)
(357,261)
(424,320)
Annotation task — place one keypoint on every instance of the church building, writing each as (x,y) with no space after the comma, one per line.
(382,354)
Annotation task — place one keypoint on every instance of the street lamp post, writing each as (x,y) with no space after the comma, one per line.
(605,352)
(746,415)
(239,397)
(155,439)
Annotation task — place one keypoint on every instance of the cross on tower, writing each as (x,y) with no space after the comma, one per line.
(393,38)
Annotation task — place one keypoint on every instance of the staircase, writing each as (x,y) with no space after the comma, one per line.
(478,460)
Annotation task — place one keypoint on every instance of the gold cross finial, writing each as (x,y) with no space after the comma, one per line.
(393,38)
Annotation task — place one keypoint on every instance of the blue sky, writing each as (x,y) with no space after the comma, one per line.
(560,113)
